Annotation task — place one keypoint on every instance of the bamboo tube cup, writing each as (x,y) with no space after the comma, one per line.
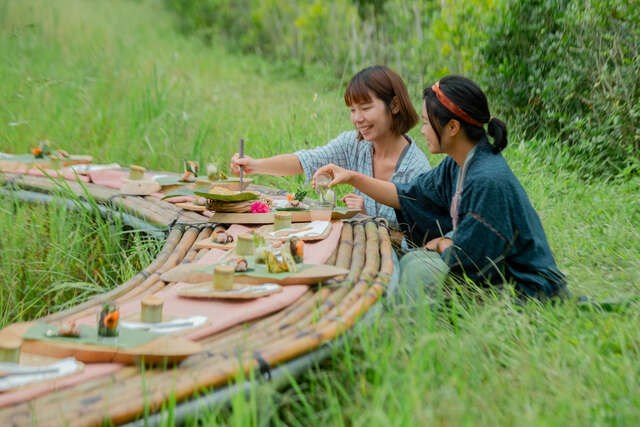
(281,220)
(245,245)
(10,349)
(136,172)
(151,309)
(223,277)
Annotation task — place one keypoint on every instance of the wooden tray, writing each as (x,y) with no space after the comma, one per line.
(267,218)
(210,244)
(265,231)
(239,291)
(188,206)
(308,275)
(22,163)
(230,183)
(164,349)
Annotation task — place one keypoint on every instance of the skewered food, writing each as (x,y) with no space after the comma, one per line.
(222,237)
(241,264)
(68,329)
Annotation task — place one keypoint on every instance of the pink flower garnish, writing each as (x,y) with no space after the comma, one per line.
(259,207)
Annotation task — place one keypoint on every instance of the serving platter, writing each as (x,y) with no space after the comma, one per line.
(239,291)
(267,218)
(156,349)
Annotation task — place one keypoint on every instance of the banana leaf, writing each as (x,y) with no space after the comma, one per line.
(165,181)
(23,158)
(291,209)
(127,338)
(182,191)
(234,197)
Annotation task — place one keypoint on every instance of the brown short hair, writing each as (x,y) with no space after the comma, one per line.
(386,85)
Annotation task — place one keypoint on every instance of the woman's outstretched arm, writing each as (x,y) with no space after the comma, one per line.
(280,165)
(379,190)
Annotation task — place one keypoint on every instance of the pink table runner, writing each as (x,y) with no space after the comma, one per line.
(90,371)
(69,175)
(222,314)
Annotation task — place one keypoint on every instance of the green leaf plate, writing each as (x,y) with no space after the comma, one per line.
(236,197)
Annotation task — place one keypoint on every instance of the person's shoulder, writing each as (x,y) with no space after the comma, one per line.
(346,137)
(346,143)
(414,163)
(493,176)
(417,156)
(493,166)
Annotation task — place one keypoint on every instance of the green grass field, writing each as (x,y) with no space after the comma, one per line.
(115,80)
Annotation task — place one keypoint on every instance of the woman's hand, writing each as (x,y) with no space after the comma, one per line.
(353,201)
(337,174)
(439,244)
(249,165)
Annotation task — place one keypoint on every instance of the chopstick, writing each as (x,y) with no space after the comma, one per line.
(30,372)
(241,168)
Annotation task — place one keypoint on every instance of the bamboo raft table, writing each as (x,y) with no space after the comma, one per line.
(278,345)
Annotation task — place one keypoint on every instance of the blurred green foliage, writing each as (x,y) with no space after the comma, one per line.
(569,71)
(565,72)
(421,40)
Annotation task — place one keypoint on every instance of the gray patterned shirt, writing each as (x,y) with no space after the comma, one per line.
(349,153)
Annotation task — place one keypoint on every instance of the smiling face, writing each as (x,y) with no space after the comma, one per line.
(429,133)
(371,118)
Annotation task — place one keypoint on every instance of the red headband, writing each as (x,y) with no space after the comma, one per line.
(451,106)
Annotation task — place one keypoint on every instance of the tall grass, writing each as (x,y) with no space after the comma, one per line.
(114,80)
(54,257)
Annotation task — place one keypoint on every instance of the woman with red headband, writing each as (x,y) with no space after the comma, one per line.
(471,210)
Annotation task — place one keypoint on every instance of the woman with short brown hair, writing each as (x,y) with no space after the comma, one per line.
(379,147)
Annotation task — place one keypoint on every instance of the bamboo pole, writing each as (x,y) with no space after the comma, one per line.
(285,346)
(177,253)
(193,251)
(358,254)
(276,352)
(171,242)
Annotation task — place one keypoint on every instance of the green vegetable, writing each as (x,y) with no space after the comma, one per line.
(300,195)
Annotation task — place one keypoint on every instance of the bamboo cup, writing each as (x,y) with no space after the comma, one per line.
(223,277)
(10,349)
(151,309)
(245,245)
(281,220)
(136,172)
